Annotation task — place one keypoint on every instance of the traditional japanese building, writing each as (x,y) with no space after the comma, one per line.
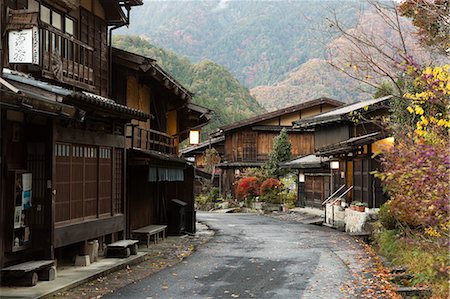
(249,142)
(160,184)
(63,134)
(346,141)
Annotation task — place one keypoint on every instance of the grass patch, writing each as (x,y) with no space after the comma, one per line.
(428,261)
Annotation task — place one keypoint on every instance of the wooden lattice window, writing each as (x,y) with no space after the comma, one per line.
(118,181)
(62,182)
(105,180)
(249,146)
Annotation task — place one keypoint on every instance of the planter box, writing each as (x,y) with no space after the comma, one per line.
(358,208)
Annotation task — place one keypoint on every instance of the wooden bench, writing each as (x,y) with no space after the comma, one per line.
(151,230)
(122,248)
(28,273)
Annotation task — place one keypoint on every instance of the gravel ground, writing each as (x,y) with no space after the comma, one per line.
(162,255)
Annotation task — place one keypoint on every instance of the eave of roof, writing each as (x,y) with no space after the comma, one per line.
(201,146)
(239,164)
(307,162)
(287,110)
(74,98)
(350,144)
(102,102)
(32,103)
(150,66)
(338,114)
(138,152)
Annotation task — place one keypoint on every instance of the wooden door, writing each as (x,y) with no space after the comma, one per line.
(361,180)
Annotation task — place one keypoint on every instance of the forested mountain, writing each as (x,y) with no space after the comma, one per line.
(213,86)
(314,79)
(260,42)
(279,49)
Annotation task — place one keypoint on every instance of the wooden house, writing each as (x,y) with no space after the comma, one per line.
(158,180)
(62,136)
(249,142)
(349,136)
(313,179)
(195,155)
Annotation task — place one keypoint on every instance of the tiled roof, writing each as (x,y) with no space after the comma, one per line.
(67,95)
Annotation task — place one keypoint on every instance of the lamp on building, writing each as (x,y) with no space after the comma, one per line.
(301,190)
(301,177)
(334,164)
(194,137)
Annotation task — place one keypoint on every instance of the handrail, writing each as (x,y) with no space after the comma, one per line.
(67,59)
(149,139)
(332,195)
(67,36)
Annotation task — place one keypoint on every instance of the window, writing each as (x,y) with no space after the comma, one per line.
(70,26)
(58,20)
(62,150)
(105,153)
(45,14)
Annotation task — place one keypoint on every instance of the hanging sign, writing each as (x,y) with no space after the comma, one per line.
(24,46)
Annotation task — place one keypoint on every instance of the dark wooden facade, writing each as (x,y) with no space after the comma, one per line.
(58,131)
(156,176)
(352,145)
(249,142)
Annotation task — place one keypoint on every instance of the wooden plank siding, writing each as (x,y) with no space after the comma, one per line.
(302,143)
(93,33)
(251,146)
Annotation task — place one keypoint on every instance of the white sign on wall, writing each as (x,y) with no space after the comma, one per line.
(24,46)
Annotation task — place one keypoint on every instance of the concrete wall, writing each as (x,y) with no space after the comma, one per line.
(355,221)
(335,216)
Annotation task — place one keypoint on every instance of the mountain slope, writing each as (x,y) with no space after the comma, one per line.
(213,86)
(314,79)
(258,41)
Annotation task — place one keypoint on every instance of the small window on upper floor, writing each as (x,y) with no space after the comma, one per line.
(70,26)
(45,14)
(58,20)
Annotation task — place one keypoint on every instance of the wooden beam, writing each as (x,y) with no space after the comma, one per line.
(82,231)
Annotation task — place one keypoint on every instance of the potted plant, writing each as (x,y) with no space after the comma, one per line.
(358,206)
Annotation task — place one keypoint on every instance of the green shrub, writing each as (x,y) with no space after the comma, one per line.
(289,198)
(203,202)
(386,217)
(427,261)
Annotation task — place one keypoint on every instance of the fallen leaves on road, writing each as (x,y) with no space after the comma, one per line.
(160,256)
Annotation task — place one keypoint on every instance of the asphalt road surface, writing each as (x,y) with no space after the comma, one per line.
(255,256)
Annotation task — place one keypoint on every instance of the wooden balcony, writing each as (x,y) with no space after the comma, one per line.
(147,139)
(66,59)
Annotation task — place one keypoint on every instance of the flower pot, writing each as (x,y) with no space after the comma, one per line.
(358,208)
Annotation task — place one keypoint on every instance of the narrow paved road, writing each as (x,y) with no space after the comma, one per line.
(255,256)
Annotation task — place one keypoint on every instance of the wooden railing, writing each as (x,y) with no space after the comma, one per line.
(150,140)
(66,59)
